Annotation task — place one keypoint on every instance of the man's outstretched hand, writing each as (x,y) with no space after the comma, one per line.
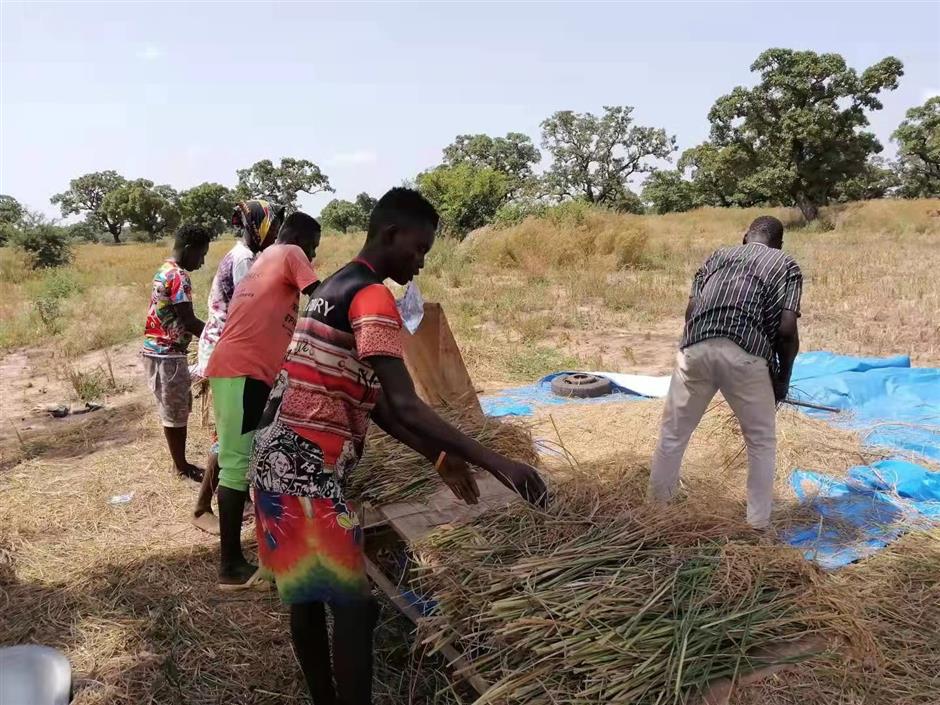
(524,479)
(456,475)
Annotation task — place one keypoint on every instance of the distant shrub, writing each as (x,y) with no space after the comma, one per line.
(60,284)
(45,245)
(49,311)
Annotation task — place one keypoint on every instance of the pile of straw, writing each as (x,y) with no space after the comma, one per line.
(594,602)
(391,472)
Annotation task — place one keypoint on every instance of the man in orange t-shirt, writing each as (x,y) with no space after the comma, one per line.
(248,356)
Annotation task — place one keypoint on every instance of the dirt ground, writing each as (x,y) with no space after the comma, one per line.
(34,381)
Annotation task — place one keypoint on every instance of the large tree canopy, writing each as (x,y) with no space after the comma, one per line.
(800,127)
(208,204)
(594,156)
(918,138)
(150,209)
(86,194)
(283,182)
(513,155)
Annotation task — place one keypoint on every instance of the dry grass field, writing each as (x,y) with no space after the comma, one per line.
(127,590)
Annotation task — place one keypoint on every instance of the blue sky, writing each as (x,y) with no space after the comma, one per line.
(188,92)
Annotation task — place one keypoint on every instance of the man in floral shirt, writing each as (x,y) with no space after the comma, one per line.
(171,325)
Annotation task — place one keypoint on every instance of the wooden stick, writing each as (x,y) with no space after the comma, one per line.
(810,405)
(454,658)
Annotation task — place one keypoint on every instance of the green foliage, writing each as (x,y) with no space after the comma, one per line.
(11,216)
(208,204)
(150,209)
(800,127)
(365,203)
(86,194)
(513,155)
(466,197)
(60,283)
(281,183)
(86,231)
(11,210)
(669,192)
(627,202)
(918,138)
(719,175)
(594,156)
(876,180)
(515,212)
(44,244)
(341,215)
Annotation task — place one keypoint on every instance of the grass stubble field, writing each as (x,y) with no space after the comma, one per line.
(127,590)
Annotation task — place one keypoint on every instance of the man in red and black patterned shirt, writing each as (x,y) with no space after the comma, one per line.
(343,368)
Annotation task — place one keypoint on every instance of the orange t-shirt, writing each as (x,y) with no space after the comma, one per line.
(262,316)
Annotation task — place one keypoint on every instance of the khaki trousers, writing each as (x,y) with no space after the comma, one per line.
(743,379)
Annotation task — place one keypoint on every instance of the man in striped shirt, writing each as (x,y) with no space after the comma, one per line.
(740,339)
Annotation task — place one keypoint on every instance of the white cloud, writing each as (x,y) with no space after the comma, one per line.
(150,53)
(354,158)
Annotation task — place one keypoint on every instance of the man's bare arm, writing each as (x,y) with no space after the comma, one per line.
(188,318)
(412,413)
(788,345)
(453,470)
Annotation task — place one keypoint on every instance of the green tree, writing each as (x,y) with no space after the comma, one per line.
(208,204)
(150,209)
(514,155)
(800,127)
(365,203)
(595,156)
(86,231)
(719,175)
(467,197)
(11,217)
(918,138)
(283,182)
(341,215)
(86,194)
(669,192)
(877,180)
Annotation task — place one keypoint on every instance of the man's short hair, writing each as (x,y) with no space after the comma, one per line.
(768,228)
(299,224)
(403,207)
(192,235)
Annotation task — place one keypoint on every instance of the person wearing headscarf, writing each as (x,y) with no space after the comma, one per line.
(256,224)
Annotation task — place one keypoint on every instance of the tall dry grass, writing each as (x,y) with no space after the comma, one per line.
(515,296)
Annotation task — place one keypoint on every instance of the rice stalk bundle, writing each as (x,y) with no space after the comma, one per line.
(591,603)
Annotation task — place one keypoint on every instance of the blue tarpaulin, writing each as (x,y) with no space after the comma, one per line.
(896,405)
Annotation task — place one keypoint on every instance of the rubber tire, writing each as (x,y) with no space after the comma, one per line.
(581,386)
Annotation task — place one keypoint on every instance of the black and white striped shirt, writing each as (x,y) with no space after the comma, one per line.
(740,293)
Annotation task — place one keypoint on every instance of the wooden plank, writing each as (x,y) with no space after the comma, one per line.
(454,659)
(436,365)
(415,520)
